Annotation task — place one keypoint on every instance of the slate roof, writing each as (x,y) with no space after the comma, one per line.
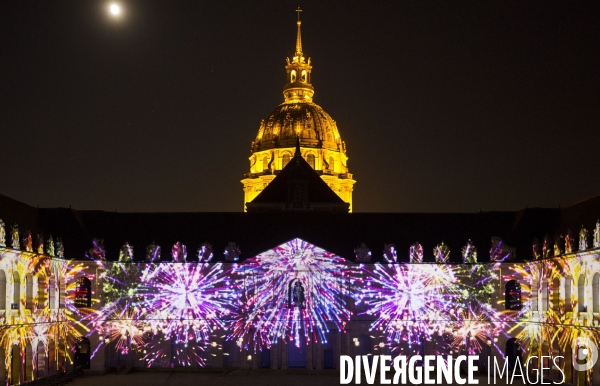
(339,233)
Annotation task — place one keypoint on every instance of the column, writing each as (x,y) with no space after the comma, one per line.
(318,356)
(309,354)
(338,348)
(284,355)
(275,355)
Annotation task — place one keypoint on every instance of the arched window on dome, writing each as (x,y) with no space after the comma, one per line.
(265,163)
(331,164)
(311,160)
(285,160)
(303,77)
(292,76)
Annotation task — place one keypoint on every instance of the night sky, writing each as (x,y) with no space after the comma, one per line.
(444,106)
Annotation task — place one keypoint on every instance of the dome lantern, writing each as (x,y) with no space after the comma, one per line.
(298,87)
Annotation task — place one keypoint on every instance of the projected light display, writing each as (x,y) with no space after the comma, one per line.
(568,310)
(178,313)
(32,317)
(409,301)
(292,292)
(150,303)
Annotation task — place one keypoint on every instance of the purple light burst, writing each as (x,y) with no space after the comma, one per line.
(271,313)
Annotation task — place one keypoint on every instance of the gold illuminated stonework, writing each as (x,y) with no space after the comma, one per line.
(320,141)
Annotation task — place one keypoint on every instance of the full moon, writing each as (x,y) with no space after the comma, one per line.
(115,9)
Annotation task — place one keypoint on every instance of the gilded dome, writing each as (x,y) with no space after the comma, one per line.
(306,120)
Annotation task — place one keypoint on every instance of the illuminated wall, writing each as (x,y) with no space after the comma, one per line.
(168,314)
(38,316)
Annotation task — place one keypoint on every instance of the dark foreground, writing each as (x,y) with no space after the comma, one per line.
(227,378)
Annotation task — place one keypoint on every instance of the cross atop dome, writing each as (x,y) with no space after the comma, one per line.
(298,37)
(298,88)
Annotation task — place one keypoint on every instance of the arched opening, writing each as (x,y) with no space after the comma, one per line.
(41,361)
(363,346)
(51,357)
(41,292)
(285,161)
(28,363)
(544,295)
(596,292)
(82,353)
(2,367)
(297,353)
(331,164)
(581,306)
(2,290)
(83,293)
(555,294)
(534,296)
(62,293)
(303,76)
(265,163)
(29,291)
(265,358)
(512,295)
(293,76)
(568,294)
(15,365)
(16,302)
(52,293)
(230,354)
(311,160)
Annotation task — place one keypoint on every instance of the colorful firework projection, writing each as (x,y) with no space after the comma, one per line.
(409,301)
(413,303)
(153,303)
(292,293)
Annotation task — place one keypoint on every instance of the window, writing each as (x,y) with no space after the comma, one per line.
(52,293)
(596,293)
(41,360)
(83,293)
(41,292)
(534,296)
(303,77)
(16,303)
(293,76)
(581,294)
(555,294)
(311,160)
(545,295)
(331,164)
(61,293)
(285,161)
(512,296)
(29,291)
(568,292)
(2,290)
(265,163)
